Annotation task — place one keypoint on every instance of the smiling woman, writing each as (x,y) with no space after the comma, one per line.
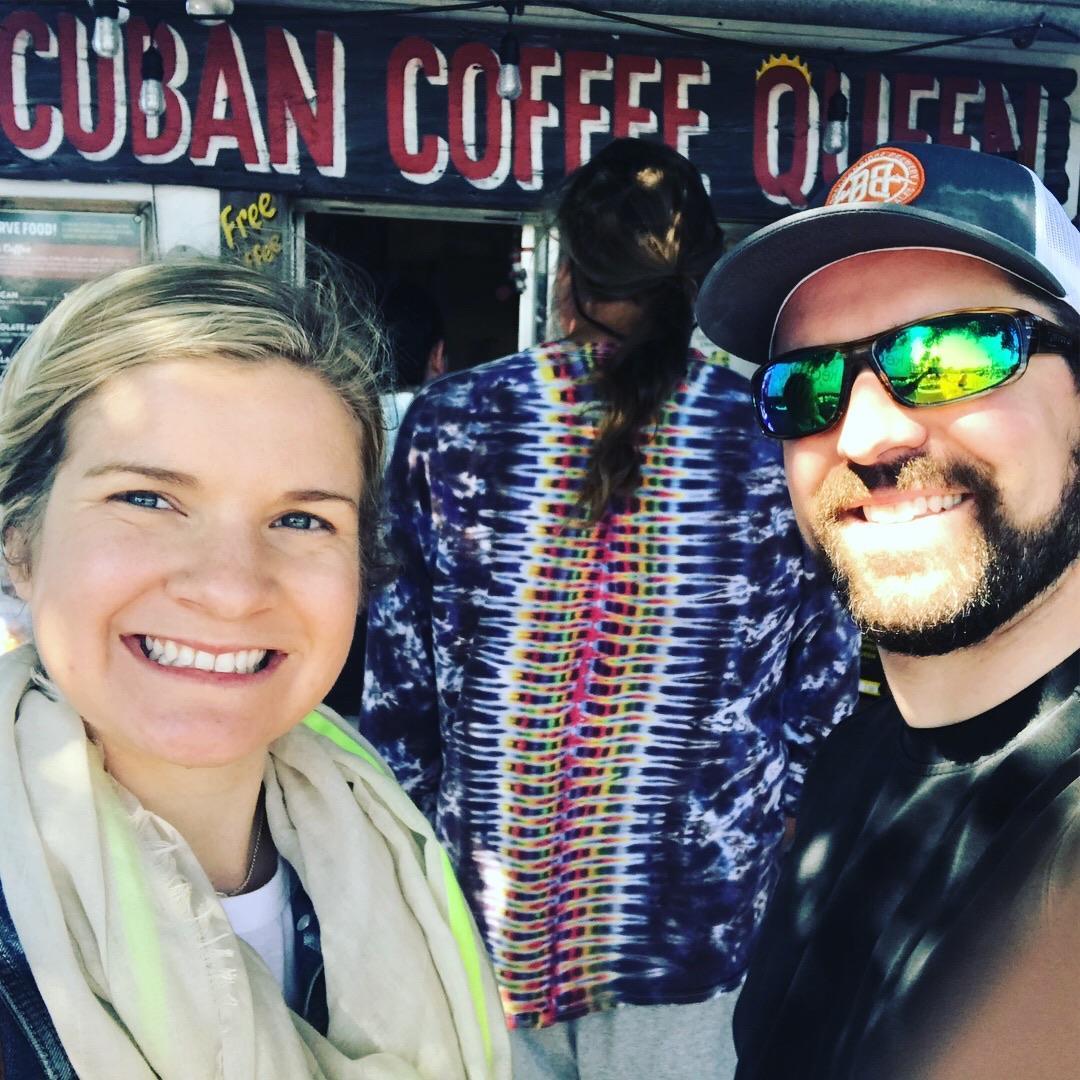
(203,872)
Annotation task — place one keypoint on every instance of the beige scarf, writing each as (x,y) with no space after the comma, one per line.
(140,970)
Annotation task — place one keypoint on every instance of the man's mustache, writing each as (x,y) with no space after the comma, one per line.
(851,483)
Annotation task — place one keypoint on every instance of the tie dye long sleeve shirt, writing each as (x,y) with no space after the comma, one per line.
(607,724)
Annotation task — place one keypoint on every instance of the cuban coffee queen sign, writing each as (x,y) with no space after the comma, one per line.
(405,110)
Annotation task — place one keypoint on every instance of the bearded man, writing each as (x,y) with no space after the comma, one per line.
(918,338)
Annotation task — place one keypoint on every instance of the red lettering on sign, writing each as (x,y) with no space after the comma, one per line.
(295,105)
(35,131)
(908,91)
(957,93)
(786,183)
(532,114)
(226,88)
(158,140)
(680,120)
(95,141)
(875,121)
(582,117)
(835,82)
(473,65)
(1000,135)
(1033,132)
(422,160)
(630,118)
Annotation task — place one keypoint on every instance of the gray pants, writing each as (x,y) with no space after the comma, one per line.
(632,1042)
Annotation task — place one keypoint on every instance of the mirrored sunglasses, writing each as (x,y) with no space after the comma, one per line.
(935,361)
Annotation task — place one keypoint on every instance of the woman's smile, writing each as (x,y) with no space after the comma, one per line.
(194,588)
(238,665)
(190,454)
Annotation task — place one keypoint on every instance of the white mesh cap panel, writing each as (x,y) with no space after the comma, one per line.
(1057,242)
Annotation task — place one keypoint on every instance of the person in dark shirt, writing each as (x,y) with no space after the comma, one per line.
(924,325)
(416,342)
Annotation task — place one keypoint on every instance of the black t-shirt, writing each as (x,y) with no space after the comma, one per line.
(927,922)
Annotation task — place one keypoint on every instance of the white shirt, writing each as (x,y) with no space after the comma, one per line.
(263,918)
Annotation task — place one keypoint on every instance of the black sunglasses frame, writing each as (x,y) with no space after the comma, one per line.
(1037,335)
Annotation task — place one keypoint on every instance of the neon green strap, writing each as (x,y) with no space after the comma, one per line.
(327,728)
(138,925)
(461,927)
(457,909)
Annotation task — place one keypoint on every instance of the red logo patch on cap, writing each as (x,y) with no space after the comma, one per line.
(882,176)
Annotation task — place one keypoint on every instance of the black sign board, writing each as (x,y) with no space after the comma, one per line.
(352,106)
(44,254)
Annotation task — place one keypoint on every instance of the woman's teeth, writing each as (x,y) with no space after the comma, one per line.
(898,513)
(172,654)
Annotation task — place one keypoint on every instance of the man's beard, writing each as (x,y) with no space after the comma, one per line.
(985,581)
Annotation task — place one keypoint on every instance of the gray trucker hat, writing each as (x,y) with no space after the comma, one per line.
(897,196)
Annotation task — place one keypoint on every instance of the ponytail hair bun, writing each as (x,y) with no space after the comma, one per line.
(635,223)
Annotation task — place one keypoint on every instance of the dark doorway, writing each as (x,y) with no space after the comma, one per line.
(466,266)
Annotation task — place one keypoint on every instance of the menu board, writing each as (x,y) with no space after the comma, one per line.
(46,253)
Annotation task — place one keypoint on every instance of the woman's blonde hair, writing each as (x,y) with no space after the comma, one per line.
(189,309)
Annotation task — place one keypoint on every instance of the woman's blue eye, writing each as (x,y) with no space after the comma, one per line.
(145,499)
(299,520)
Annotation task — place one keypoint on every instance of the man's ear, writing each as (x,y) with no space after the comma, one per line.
(16,548)
(436,364)
(564,311)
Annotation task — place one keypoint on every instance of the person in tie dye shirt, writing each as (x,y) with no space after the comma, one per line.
(606,657)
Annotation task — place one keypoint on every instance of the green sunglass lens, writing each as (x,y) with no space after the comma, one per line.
(801,396)
(951,358)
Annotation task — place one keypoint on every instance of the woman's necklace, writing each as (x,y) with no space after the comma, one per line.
(254,857)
